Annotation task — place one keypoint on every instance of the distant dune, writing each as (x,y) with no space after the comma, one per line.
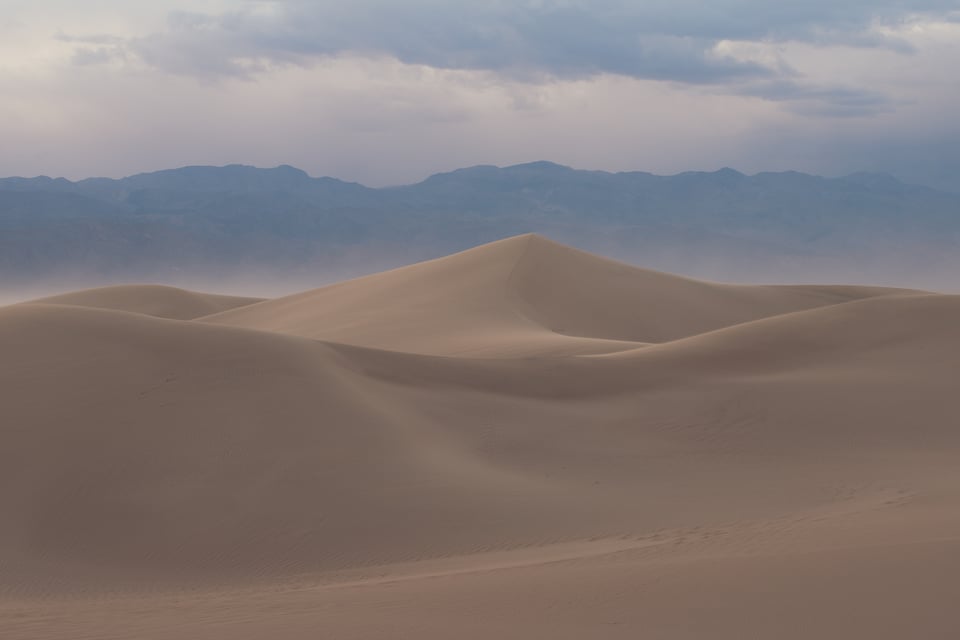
(151,300)
(518,441)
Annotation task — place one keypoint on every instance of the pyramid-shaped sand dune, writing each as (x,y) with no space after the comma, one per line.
(524,294)
(522,440)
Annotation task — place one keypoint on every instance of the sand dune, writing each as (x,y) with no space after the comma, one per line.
(517,441)
(152,300)
(524,295)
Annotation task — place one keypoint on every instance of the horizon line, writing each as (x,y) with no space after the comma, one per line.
(724,169)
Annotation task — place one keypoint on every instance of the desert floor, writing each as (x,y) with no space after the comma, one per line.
(518,441)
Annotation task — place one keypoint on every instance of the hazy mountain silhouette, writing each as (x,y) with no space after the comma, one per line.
(718,224)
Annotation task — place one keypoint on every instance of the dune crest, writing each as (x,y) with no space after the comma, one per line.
(521,440)
(152,300)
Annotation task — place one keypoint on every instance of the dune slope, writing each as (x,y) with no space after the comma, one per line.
(525,295)
(152,300)
(634,453)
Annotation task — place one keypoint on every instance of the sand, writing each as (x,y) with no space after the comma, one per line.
(152,300)
(517,441)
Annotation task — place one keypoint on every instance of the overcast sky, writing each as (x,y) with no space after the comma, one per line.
(387,92)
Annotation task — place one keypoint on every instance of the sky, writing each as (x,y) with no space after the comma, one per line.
(386,92)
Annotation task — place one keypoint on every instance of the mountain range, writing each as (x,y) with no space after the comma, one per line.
(282,223)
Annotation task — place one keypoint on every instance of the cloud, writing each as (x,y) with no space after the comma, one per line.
(559,41)
(387,92)
(819,100)
(101,38)
(534,41)
(529,39)
(97,55)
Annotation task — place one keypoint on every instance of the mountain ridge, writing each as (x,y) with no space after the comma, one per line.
(281,221)
(11,182)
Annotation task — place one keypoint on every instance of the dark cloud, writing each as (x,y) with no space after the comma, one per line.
(656,39)
(536,40)
(533,44)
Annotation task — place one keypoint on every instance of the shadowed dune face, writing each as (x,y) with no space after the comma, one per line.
(521,439)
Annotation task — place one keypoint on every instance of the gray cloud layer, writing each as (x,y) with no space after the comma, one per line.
(534,40)
(815,100)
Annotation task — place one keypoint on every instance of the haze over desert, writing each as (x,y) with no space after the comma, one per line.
(520,440)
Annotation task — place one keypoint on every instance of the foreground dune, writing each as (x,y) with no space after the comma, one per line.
(518,441)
